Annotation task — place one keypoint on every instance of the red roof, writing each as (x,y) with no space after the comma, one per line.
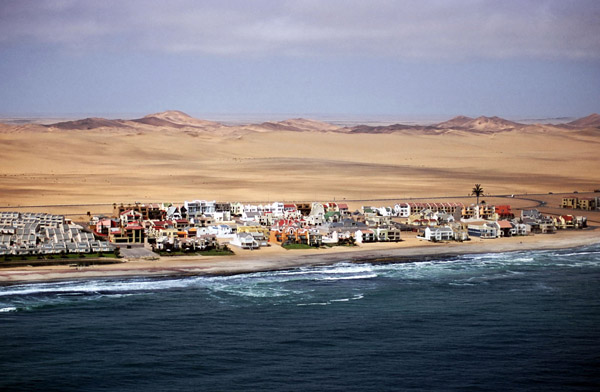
(504,224)
(136,227)
(130,212)
(503,209)
(567,218)
(161,223)
(343,206)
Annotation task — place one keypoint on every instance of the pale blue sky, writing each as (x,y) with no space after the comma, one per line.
(515,59)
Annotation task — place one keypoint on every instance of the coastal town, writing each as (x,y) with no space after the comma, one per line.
(201,225)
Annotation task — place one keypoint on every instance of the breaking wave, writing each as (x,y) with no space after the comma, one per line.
(323,285)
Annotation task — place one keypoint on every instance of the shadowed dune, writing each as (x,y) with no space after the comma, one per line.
(593,120)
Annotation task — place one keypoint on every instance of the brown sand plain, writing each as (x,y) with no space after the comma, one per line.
(41,166)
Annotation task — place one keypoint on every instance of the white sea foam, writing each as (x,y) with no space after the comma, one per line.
(340,268)
(252,291)
(578,253)
(356,297)
(96,287)
(458,271)
(352,277)
(515,272)
(331,301)
(8,309)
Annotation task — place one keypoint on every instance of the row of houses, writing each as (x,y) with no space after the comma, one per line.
(200,223)
(41,233)
(459,210)
(581,203)
(244,225)
(222,211)
(531,221)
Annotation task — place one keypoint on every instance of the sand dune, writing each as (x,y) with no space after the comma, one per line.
(491,124)
(462,123)
(49,165)
(176,119)
(456,122)
(90,123)
(294,125)
(593,120)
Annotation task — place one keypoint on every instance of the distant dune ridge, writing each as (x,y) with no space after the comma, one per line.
(456,122)
(591,121)
(177,120)
(90,123)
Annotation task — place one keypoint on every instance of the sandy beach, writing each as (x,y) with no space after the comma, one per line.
(276,258)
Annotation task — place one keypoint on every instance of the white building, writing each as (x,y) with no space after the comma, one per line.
(443,233)
(245,241)
(199,207)
(402,210)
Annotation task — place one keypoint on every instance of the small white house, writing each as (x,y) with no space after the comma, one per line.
(483,231)
(250,216)
(330,237)
(317,209)
(402,210)
(221,231)
(522,229)
(222,216)
(366,235)
(245,241)
(236,208)
(385,211)
(443,233)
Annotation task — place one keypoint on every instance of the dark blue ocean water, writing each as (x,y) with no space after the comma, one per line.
(492,322)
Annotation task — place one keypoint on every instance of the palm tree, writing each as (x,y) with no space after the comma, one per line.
(477,191)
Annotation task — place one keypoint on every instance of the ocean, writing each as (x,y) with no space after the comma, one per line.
(525,320)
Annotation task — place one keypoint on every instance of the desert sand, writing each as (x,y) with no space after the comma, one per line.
(171,157)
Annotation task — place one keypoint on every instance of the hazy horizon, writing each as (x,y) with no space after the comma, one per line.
(248,118)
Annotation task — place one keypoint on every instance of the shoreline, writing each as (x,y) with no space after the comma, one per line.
(276,258)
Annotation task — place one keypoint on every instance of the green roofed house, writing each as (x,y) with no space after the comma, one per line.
(368,210)
(333,216)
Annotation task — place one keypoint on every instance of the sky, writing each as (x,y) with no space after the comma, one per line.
(515,59)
